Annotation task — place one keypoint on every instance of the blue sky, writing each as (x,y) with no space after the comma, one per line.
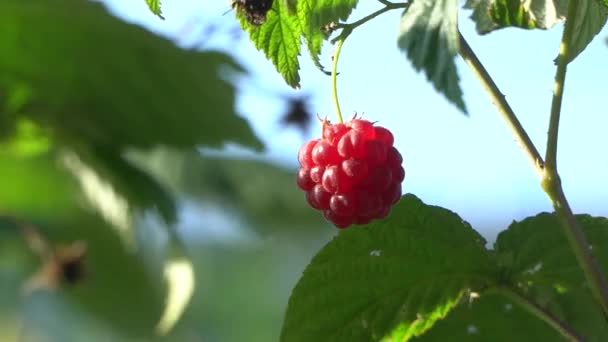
(470,165)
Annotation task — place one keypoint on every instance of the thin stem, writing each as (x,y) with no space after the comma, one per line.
(558,89)
(551,182)
(334,82)
(579,244)
(549,178)
(501,103)
(566,331)
(348,28)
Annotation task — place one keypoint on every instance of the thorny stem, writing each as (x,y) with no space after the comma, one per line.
(566,331)
(551,182)
(501,103)
(548,171)
(334,83)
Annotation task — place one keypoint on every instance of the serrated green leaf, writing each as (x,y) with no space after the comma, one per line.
(289,21)
(544,267)
(490,15)
(428,34)
(279,39)
(314,14)
(390,280)
(154,6)
(143,90)
(491,317)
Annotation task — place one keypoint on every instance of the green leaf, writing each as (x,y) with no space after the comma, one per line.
(279,39)
(492,317)
(154,6)
(490,15)
(116,288)
(103,172)
(390,280)
(35,187)
(291,6)
(590,19)
(428,34)
(537,258)
(265,194)
(314,14)
(113,84)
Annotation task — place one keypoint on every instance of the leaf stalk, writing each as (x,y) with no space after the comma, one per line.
(566,331)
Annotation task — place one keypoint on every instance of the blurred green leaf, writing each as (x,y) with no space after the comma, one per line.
(265,194)
(36,187)
(105,176)
(116,288)
(428,34)
(390,280)
(536,257)
(93,78)
(291,5)
(154,6)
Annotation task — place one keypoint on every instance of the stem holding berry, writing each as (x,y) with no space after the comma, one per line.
(334,73)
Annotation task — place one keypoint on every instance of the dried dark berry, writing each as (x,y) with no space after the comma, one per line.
(254,10)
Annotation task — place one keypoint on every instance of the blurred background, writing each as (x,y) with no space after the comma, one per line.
(243,231)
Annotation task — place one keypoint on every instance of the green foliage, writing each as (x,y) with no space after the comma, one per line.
(35,188)
(154,6)
(314,14)
(106,86)
(264,194)
(280,37)
(390,280)
(114,83)
(117,288)
(491,317)
(109,172)
(536,258)
(590,19)
(429,36)
(490,15)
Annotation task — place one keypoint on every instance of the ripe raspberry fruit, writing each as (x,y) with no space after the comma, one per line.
(352,174)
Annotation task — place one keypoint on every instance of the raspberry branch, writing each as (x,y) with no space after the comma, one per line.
(548,172)
(551,182)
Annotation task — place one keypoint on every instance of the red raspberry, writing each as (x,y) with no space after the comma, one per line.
(352,174)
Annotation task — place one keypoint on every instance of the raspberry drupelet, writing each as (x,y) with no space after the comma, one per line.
(352,174)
